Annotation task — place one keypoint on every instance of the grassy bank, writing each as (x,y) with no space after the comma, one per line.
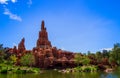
(17,69)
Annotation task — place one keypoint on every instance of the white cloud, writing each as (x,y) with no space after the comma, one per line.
(11,15)
(29,3)
(3,1)
(108,49)
(6,1)
(13,1)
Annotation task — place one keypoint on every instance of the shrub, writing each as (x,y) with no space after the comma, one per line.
(13,59)
(27,59)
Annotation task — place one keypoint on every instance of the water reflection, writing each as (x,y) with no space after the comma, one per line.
(109,75)
(54,74)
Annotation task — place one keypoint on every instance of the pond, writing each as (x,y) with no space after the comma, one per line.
(55,74)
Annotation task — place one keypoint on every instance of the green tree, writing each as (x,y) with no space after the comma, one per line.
(81,59)
(2,54)
(85,60)
(13,59)
(88,53)
(27,59)
(111,60)
(78,58)
(116,53)
(98,56)
(105,53)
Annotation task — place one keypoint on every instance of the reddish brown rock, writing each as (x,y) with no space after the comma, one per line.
(20,51)
(50,57)
(46,56)
(15,50)
(21,46)
(43,41)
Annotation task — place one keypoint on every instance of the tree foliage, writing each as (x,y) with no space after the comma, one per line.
(115,54)
(81,59)
(85,60)
(13,59)
(2,54)
(27,59)
(78,58)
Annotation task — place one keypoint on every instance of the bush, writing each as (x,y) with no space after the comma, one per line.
(16,69)
(13,59)
(27,60)
(86,69)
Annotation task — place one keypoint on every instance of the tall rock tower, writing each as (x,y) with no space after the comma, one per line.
(21,46)
(43,41)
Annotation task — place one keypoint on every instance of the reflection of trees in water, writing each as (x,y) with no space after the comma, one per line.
(55,74)
(86,75)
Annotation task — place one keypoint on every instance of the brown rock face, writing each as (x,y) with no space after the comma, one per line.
(47,56)
(43,41)
(21,46)
(19,52)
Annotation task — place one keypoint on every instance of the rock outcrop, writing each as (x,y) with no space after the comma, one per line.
(43,41)
(21,46)
(46,56)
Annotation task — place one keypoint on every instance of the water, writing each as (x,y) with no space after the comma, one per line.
(54,74)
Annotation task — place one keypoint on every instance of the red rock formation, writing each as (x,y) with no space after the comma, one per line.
(20,51)
(43,41)
(47,56)
(15,50)
(21,46)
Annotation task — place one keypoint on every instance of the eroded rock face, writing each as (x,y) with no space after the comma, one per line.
(21,46)
(20,51)
(53,58)
(43,41)
(46,56)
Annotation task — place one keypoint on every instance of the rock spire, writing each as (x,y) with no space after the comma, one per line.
(43,41)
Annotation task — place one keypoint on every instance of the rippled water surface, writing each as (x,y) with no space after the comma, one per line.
(54,74)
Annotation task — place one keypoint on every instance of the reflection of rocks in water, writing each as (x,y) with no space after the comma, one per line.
(108,70)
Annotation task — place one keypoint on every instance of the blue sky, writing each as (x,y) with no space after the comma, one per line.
(73,25)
